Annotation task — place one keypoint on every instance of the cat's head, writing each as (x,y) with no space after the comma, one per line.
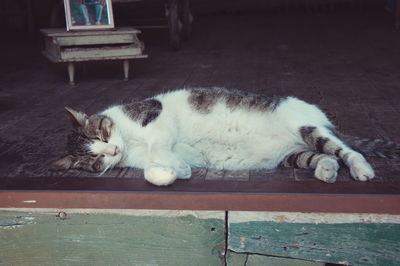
(92,145)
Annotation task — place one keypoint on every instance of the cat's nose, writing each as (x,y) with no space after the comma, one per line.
(112,150)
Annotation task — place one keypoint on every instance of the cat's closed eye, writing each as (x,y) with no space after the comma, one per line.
(99,138)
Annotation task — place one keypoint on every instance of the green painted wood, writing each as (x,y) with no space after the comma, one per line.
(355,243)
(34,239)
(239,259)
(235,259)
(258,260)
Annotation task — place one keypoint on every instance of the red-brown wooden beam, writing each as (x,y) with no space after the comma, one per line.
(382,204)
(112,193)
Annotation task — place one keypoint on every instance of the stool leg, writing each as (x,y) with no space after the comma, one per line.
(397,15)
(71,73)
(126,69)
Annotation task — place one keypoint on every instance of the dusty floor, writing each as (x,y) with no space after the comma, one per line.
(346,62)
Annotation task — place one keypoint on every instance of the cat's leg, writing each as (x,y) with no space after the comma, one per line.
(322,140)
(163,166)
(326,166)
(171,160)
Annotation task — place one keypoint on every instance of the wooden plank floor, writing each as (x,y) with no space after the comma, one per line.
(348,63)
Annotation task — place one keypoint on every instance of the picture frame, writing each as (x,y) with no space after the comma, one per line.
(88,14)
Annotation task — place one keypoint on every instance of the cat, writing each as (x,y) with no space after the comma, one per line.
(171,133)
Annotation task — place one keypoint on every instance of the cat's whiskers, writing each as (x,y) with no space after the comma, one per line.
(105,170)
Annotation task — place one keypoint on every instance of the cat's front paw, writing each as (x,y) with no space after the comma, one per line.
(361,170)
(159,175)
(326,170)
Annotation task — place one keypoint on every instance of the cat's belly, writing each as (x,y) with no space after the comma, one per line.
(239,139)
(250,153)
(242,155)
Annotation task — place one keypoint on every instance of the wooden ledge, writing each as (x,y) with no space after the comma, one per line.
(118,193)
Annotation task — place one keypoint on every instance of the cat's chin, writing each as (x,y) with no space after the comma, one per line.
(113,161)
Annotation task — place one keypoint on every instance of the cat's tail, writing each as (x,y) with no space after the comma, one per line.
(373,147)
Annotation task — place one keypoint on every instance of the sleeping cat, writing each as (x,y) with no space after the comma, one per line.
(171,133)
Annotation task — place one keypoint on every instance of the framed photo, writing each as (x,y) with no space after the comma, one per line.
(88,14)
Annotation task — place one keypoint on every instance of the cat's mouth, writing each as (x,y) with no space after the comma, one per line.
(112,157)
(108,149)
(112,150)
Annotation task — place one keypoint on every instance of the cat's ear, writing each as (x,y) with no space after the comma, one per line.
(78,119)
(64,163)
(105,130)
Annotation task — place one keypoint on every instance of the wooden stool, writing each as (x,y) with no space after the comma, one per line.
(63,46)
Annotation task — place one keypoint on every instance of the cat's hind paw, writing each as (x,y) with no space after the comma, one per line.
(361,170)
(326,169)
(159,175)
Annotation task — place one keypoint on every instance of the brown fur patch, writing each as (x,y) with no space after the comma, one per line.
(95,126)
(203,100)
(307,134)
(79,155)
(314,140)
(89,163)
(143,111)
(77,145)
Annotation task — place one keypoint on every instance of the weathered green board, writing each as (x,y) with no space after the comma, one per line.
(235,259)
(110,239)
(346,243)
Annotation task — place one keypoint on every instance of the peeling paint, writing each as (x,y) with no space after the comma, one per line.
(315,218)
(242,239)
(29,201)
(11,226)
(281,219)
(160,213)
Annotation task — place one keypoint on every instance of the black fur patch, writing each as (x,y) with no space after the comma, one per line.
(306,133)
(292,160)
(143,111)
(320,144)
(337,152)
(309,160)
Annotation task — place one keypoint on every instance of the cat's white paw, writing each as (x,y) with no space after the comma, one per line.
(159,175)
(361,170)
(183,171)
(326,169)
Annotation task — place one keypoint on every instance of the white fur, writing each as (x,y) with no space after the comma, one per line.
(181,138)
